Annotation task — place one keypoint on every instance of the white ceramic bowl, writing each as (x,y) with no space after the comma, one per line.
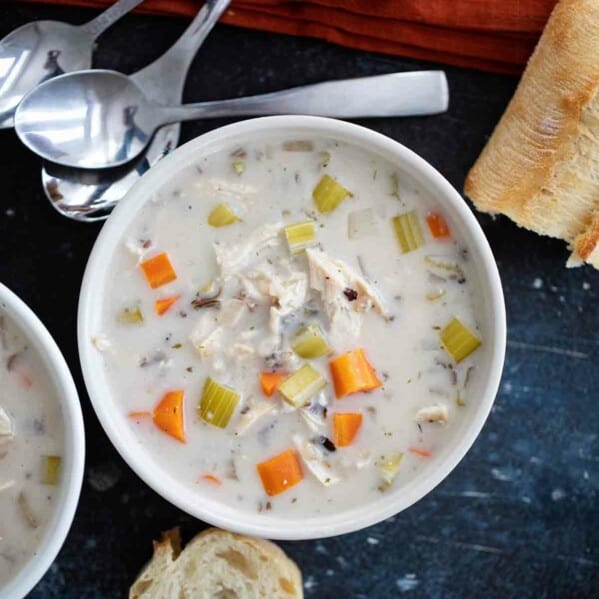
(74,444)
(492,324)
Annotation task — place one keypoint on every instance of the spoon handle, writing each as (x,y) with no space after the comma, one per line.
(168,72)
(396,94)
(111,15)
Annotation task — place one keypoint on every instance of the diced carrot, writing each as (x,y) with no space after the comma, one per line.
(423,453)
(270,381)
(168,414)
(213,479)
(281,472)
(139,415)
(346,427)
(438,225)
(352,373)
(162,305)
(158,270)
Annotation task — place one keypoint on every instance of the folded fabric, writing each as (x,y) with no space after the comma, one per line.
(493,35)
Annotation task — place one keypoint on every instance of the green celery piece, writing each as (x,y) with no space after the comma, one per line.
(407,229)
(458,340)
(299,388)
(221,216)
(300,236)
(309,342)
(328,194)
(51,469)
(217,403)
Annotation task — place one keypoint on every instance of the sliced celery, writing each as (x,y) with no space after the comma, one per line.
(299,388)
(217,403)
(458,340)
(309,342)
(328,194)
(238,167)
(388,467)
(300,236)
(298,145)
(51,469)
(222,216)
(407,229)
(132,315)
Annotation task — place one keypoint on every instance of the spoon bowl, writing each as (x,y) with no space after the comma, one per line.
(89,119)
(36,52)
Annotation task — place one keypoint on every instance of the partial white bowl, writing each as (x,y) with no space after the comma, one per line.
(74,444)
(492,324)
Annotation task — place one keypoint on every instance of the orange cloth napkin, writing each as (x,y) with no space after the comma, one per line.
(493,35)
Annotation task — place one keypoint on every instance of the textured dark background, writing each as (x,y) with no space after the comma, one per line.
(517,518)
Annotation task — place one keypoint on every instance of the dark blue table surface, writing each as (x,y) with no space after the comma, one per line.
(517,518)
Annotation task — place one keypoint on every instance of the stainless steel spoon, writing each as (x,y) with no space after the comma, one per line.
(90,195)
(101,118)
(41,50)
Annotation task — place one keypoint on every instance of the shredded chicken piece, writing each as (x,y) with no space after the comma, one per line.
(252,413)
(231,312)
(6,427)
(226,190)
(101,342)
(137,249)
(314,460)
(337,283)
(436,413)
(231,258)
(332,277)
(7,485)
(206,336)
(240,351)
(280,285)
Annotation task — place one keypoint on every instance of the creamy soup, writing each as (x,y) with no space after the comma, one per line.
(31,448)
(291,327)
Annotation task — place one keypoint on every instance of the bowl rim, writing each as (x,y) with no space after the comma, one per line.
(254,524)
(36,333)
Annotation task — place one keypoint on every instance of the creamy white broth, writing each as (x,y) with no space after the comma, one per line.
(31,428)
(145,360)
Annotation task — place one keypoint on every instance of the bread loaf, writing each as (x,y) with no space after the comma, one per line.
(217,564)
(541,165)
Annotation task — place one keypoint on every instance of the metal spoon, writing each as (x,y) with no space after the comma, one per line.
(41,50)
(101,118)
(90,195)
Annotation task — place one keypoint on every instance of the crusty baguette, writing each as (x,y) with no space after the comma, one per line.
(217,564)
(541,165)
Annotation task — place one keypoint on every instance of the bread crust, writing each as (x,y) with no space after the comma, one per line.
(541,165)
(167,551)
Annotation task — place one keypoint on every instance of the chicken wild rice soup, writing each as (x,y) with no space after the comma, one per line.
(290,327)
(31,449)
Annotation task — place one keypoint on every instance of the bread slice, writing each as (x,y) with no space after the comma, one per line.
(541,165)
(217,564)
